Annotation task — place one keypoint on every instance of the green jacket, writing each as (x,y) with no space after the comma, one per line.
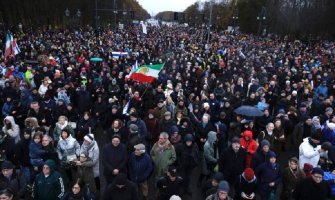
(51,187)
(162,157)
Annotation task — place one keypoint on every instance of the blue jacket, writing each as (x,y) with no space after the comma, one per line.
(140,167)
(142,128)
(35,150)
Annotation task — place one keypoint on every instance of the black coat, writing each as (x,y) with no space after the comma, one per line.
(308,189)
(202,132)
(232,164)
(127,192)
(167,188)
(114,158)
(22,152)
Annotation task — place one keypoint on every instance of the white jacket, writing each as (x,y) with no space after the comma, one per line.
(308,154)
(13,132)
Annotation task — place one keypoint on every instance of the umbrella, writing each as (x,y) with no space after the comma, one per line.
(248,111)
(96,59)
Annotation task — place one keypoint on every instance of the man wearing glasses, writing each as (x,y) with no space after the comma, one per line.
(313,187)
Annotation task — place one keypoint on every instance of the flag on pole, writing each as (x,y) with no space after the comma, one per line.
(146,73)
(133,68)
(119,54)
(11,47)
(144,28)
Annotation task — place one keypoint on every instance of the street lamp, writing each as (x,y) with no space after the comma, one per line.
(67,12)
(235,18)
(78,13)
(261,18)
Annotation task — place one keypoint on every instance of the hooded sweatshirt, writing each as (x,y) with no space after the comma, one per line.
(13,131)
(209,150)
(48,187)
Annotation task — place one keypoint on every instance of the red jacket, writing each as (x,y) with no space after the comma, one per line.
(249,145)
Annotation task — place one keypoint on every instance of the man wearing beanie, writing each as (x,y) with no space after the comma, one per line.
(233,161)
(312,188)
(142,128)
(114,158)
(246,185)
(261,155)
(222,192)
(309,150)
(121,188)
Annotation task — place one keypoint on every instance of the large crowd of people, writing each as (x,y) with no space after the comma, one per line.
(56,101)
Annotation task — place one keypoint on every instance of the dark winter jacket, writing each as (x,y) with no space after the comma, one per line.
(113,158)
(16,182)
(50,187)
(127,192)
(187,156)
(140,167)
(308,189)
(232,164)
(167,188)
(242,185)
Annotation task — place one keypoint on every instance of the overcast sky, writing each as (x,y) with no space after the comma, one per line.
(155,6)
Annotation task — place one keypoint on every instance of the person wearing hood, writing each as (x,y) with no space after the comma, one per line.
(211,153)
(269,176)
(68,150)
(11,128)
(187,158)
(291,176)
(7,107)
(309,150)
(140,168)
(246,185)
(211,185)
(328,132)
(48,183)
(121,188)
(313,187)
(249,145)
(221,192)
(261,155)
(233,161)
(175,137)
(90,146)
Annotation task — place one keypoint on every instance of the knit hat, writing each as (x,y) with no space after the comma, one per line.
(316,136)
(308,167)
(89,138)
(133,128)
(175,197)
(188,137)
(218,176)
(327,146)
(223,186)
(294,159)
(317,170)
(121,179)
(133,114)
(173,129)
(249,174)
(172,170)
(265,143)
(116,136)
(7,165)
(272,154)
(328,109)
(235,140)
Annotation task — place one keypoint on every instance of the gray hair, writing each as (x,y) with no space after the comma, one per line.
(165,135)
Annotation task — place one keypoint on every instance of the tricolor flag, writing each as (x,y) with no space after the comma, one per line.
(146,73)
(118,54)
(134,68)
(11,47)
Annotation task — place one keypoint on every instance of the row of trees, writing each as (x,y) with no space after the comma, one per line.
(299,17)
(52,12)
